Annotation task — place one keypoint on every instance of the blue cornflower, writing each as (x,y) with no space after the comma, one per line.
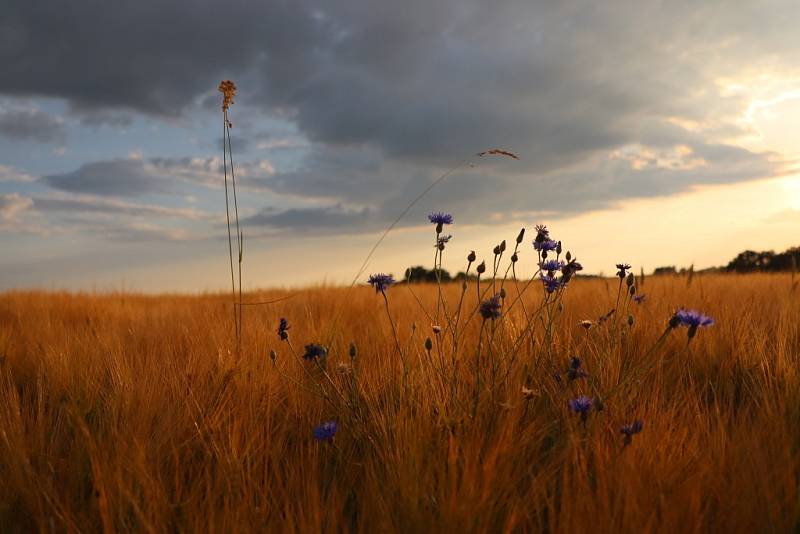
(440,218)
(581,405)
(638,299)
(574,371)
(325,431)
(546,245)
(490,309)
(282,329)
(693,318)
(551,283)
(630,429)
(314,351)
(551,266)
(380,282)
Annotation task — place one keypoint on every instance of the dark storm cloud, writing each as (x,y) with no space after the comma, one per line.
(390,94)
(30,124)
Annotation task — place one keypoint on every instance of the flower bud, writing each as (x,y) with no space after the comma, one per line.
(353,350)
(273,355)
(503,245)
(629,280)
(482,267)
(428,344)
(520,236)
(514,258)
(471,257)
(496,250)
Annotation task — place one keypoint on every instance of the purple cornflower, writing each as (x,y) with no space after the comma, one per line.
(581,405)
(638,299)
(542,233)
(325,431)
(574,371)
(630,429)
(440,218)
(546,245)
(282,329)
(490,309)
(551,266)
(380,282)
(693,318)
(551,283)
(314,351)
(622,268)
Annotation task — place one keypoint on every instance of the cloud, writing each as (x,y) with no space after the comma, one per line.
(27,123)
(9,174)
(136,176)
(603,101)
(329,218)
(11,207)
(112,207)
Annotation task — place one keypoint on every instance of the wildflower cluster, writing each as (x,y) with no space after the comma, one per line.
(228,90)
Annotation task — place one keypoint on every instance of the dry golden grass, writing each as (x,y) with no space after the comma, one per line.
(132,413)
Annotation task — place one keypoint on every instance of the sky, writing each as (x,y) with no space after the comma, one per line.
(655,133)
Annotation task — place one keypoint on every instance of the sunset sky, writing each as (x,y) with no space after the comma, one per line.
(656,133)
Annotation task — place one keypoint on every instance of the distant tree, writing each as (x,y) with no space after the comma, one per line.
(767,261)
(665,270)
(421,274)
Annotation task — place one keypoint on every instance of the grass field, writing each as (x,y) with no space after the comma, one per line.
(122,412)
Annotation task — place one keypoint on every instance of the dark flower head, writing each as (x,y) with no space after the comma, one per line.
(546,245)
(380,282)
(542,233)
(630,429)
(490,309)
(442,240)
(551,266)
(581,405)
(314,351)
(325,431)
(551,283)
(623,267)
(282,329)
(440,218)
(693,318)
(638,299)
(574,371)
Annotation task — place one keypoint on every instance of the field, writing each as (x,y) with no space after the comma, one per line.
(123,412)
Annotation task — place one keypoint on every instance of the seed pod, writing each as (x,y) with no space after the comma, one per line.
(482,267)
(520,236)
(514,258)
(471,257)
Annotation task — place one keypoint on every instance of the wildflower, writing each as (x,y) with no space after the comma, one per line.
(638,299)
(490,309)
(325,431)
(587,324)
(551,283)
(581,405)
(551,266)
(283,328)
(442,240)
(314,351)
(574,371)
(546,245)
(436,329)
(622,268)
(228,90)
(542,233)
(440,218)
(380,282)
(630,429)
(692,319)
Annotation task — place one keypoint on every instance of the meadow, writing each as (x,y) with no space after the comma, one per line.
(386,409)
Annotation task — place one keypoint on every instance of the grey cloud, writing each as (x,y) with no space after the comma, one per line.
(109,178)
(390,94)
(113,207)
(329,218)
(11,207)
(31,124)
